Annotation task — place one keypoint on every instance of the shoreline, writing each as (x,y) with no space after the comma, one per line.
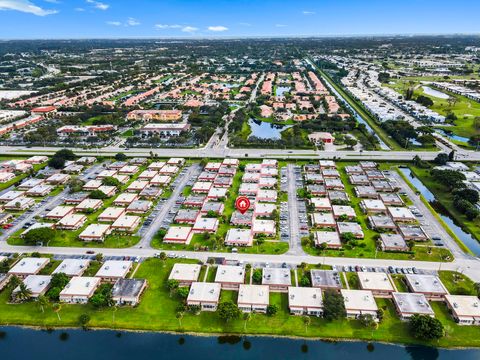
(240,335)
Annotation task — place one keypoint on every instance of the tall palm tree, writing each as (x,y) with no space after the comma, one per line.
(306,321)
(23,293)
(42,302)
(179,316)
(56,307)
(247,317)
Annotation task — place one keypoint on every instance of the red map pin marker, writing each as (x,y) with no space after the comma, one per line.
(242,204)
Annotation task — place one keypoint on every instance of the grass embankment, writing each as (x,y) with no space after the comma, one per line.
(157,312)
(368,249)
(445,198)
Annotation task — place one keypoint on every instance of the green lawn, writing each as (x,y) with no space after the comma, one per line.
(444,197)
(367,247)
(457,283)
(157,312)
(465,109)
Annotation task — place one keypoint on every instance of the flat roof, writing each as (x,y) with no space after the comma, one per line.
(204,292)
(178,232)
(276,276)
(29,265)
(325,278)
(305,297)
(464,305)
(185,272)
(95,230)
(253,294)
(393,240)
(264,226)
(80,286)
(430,284)
(411,303)
(36,283)
(239,236)
(128,287)
(230,274)
(112,212)
(114,268)
(375,281)
(60,211)
(327,237)
(361,300)
(72,219)
(72,267)
(126,221)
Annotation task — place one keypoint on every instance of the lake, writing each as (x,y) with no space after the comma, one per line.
(465,237)
(266,130)
(452,135)
(105,345)
(435,93)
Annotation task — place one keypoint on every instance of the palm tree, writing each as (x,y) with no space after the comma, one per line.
(15,282)
(56,307)
(23,293)
(306,321)
(179,316)
(42,302)
(247,317)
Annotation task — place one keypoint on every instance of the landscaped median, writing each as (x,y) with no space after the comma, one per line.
(157,311)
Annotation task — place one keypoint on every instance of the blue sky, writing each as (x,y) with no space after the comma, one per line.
(207,18)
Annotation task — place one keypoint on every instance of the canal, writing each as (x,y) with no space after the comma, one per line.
(465,237)
(81,345)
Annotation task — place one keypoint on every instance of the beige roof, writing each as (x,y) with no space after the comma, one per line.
(204,292)
(359,300)
(375,281)
(305,297)
(230,274)
(185,272)
(81,286)
(253,294)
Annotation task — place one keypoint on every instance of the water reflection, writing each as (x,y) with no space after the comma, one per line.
(465,237)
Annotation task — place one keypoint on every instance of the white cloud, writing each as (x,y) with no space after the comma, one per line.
(98,5)
(305,12)
(165,26)
(132,22)
(25,6)
(114,23)
(217,28)
(189,29)
(280,25)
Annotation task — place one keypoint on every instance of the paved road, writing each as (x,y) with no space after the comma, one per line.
(429,223)
(49,203)
(192,171)
(295,241)
(464,155)
(470,267)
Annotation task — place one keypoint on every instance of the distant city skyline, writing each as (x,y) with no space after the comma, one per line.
(64,19)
